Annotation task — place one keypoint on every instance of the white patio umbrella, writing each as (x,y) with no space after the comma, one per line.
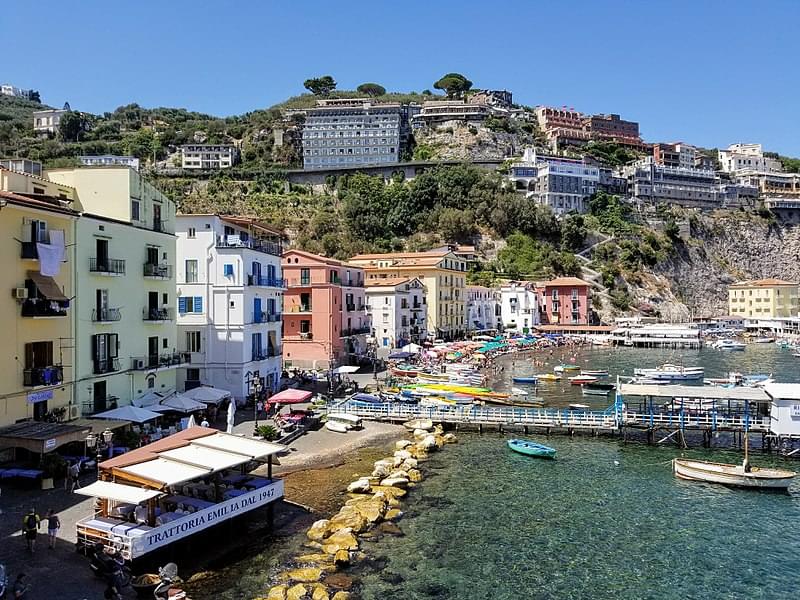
(191,422)
(231,416)
(413,348)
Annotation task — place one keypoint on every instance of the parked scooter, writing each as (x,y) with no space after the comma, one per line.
(110,566)
(164,590)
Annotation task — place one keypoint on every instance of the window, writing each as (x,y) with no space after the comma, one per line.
(191,233)
(305,276)
(193,341)
(105,348)
(191,270)
(135,211)
(192,374)
(227,270)
(39,231)
(305,326)
(190,304)
(165,343)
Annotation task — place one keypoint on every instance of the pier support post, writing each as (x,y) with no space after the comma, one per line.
(650,436)
(480,427)
(525,429)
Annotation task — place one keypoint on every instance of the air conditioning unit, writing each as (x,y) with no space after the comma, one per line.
(74,412)
(20,293)
(138,364)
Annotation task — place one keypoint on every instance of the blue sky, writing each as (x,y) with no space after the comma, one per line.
(705,71)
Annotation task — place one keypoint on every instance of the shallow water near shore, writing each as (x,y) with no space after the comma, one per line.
(488,523)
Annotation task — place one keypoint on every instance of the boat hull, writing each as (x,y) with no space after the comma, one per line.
(525,379)
(733,475)
(531,449)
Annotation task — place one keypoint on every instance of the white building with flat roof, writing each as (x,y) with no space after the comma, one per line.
(47,121)
(481,309)
(230,301)
(747,157)
(519,306)
(398,310)
(208,156)
(110,160)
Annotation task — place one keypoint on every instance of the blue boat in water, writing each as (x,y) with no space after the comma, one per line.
(532,448)
(525,380)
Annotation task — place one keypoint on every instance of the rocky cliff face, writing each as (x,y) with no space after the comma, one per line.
(456,140)
(723,248)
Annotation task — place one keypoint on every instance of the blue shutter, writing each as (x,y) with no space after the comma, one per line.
(182,305)
(257,310)
(228,270)
(198,304)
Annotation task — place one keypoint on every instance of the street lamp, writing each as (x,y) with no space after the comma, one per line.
(98,443)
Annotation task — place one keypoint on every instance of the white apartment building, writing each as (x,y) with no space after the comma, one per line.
(398,309)
(747,157)
(110,160)
(519,306)
(47,121)
(208,156)
(230,297)
(7,89)
(482,309)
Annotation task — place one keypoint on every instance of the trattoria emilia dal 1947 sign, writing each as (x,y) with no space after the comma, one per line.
(203,519)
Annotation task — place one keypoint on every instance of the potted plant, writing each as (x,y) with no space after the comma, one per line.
(267,432)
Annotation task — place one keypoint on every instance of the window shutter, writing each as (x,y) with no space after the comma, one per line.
(198,304)
(182,305)
(113,345)
(94,347)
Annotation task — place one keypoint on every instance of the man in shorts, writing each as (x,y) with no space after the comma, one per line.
(30,529)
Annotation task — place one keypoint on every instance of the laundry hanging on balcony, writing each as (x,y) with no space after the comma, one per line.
(51,255)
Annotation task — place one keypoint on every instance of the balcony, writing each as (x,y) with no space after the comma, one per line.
(52,375)
(354,283)
(159,225)
(350,307)
(160,361)
(106,315)
(260,281)
(40,308)
(156,271)
(106,365)
(90,407)
(109,266)
(258,354)
(236,241)
(274,351)
(301,308)
(306,335)
(416,306)
(158,315)
(265,317)
(355,331)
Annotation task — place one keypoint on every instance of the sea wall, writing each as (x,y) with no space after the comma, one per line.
(374,507)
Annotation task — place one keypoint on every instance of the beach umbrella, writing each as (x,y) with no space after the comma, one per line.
(191,422)
(231,416)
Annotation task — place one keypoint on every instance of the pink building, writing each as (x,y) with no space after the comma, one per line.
(325,318)
(564,301)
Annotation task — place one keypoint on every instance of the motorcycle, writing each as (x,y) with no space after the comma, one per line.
(109,566)
(164,590)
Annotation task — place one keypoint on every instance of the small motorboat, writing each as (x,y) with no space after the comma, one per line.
(764,340)
(735,475)
(671,372)
(577,406)
(582,379)
(532,448)
(595,372)
(549,377)
(600,389)
(729,344)
(337,427)
(525,380)
(564,368)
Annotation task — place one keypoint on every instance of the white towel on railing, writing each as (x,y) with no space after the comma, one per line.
(52,255)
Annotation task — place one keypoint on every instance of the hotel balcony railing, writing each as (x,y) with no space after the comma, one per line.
(109,266)
(350,306)
(235,241)
(52,375)
(261,281)
(155,361)
(106,365)
(355,331)
(159,225)
(41,307)
(258,354)
(306,335)
(95,405)
(157,271)
(300,308)
(265,317)
(416,307)
(105,315)
(158,314)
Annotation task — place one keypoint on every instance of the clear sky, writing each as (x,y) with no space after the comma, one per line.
(706,72)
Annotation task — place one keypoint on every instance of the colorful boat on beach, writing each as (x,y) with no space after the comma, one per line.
(734,475)
(548,377)
(532,448)
(525,380)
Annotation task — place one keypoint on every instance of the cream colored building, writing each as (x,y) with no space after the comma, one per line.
(125,329)
(441,271)
(35,308)
(763,298)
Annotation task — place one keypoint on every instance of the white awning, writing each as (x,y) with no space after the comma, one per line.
(238,445)
(205,458)
(345,369)
(704,392)
(164,471)
(118,492)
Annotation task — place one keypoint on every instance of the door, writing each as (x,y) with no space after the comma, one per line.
(152,304)
(99,396)
(101,304)
(157,217)
(102,255)
(257,310)
(100,353)
(152,351)
(152,255)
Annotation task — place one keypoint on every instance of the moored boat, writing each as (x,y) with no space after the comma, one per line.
(531,448)
(729,344)
(735,475)
(525,380)
(337,427)
(577,406)
(564,368)
(549,377)
(600,389)
(595,372)
(582,380)
(671,372)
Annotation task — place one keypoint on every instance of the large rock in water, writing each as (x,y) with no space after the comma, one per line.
(382,467)
(401,444)
(306,575)
(415,475)
(359,486)
(320,592)
(277,592)
(449,438)
(372,510)
(398,482)
(340,540)
(341,558)
(341,596)
(393,514)
(348,518)
(389,491)
(420,434)
(429,443)
(339,581)
(297,592)
(318,530)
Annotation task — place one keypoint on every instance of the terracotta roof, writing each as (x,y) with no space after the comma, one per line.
(38,201)
(150,451)
(245,221)
(569,328)
(564,281)
(763,283)
(322,259)
(391,255)
(388,281)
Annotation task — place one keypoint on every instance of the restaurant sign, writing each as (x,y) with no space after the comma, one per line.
(40,396)
(190,524)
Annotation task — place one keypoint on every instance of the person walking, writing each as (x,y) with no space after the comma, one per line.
(53,525)
(30,529)
(68,478)
(75,474)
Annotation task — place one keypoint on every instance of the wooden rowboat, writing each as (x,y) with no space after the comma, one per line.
(532,448)
(735,475)
(337,427)
(525,380)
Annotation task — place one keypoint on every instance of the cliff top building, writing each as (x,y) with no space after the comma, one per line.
(747,157)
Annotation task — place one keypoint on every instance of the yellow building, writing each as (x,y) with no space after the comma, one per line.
(764,299)
(37,220)
(444,275)
(125,327)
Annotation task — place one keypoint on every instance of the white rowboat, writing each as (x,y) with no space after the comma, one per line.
(337,427)
(736,475)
